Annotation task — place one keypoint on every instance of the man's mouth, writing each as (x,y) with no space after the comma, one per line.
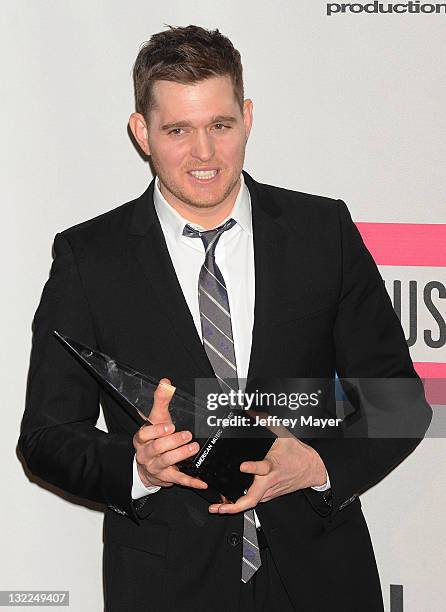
(204,175)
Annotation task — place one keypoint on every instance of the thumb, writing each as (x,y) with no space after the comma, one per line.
(161,398)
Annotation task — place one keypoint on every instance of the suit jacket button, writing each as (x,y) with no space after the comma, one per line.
(234,538)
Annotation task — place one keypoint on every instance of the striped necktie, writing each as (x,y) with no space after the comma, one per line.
(218,342)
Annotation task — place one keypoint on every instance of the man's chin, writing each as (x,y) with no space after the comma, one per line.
(209,201)
(203,204)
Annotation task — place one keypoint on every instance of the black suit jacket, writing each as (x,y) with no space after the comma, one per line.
(320,306)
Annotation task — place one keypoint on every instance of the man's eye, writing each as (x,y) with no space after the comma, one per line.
(220,126)
(176,131)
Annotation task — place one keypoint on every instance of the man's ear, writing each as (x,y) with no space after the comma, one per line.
(247,116)
(139,129)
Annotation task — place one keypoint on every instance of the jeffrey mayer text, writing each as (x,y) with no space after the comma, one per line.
(271,421)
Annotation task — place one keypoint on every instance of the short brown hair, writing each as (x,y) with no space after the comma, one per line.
(185,55)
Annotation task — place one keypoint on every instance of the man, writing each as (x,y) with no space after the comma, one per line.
(296,295)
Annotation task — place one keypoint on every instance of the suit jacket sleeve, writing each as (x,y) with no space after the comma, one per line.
(369,343)
(58,438)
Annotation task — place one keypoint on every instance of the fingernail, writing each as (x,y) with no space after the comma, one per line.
(186,435)
(193,446)
(169,427)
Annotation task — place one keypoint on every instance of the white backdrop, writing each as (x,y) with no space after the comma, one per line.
(350,106)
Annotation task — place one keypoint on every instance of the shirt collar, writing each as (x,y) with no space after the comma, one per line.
(174,222)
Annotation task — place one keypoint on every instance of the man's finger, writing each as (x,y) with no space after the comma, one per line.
(243,503)
(151,432)
(246,502)
(172,475)
(260,468)
(178,477)
(167,443)
(176,455)
(161,398)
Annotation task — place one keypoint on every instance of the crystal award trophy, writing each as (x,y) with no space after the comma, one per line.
(221,448)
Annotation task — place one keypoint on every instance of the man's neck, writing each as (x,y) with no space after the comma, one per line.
(208,218)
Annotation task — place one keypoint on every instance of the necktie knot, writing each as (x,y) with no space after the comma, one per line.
(209,237)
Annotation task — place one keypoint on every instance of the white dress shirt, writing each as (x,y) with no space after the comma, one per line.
(234,256)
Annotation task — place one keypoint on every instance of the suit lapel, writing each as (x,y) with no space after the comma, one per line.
(269,239)
(149,247)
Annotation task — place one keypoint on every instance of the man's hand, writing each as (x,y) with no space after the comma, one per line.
(289,465)
(158,448)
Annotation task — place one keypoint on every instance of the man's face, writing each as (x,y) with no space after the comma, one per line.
(196,136)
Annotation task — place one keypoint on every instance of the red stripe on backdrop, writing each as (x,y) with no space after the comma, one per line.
(405,244)
(434,375)
(429,369)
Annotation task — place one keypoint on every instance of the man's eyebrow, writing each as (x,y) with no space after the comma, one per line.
(175,124)
(223,119)
(216,119)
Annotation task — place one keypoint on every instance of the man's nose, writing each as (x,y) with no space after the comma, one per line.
(203,146)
